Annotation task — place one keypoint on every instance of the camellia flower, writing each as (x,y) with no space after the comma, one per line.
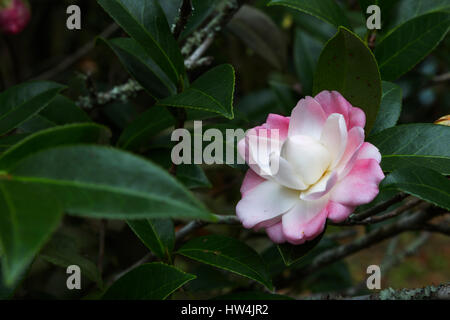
(14,16)
(324,169)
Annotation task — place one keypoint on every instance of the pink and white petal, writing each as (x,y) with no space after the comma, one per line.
(334,102)
(296,219)
(316,225)
(334,137)
(369,151)
(250,181)
(357,118)
(321,188)
(264,202)
(338,212)
(275,233)
(360,185)
(281,123)
(307,119)
(354,143)
(267,223)
(283,173)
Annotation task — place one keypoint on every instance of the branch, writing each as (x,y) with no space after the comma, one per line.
(379,208)
(185,13)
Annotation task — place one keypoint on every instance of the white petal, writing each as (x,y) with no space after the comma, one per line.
(334,137)
(264,202)
(283,173)
(321,188)
(307,118)
(309,158)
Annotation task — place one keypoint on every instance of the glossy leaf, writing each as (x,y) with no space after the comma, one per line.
(8,141)
(57,136)
(103,182)
(138,133)
(406,45)
(306,53)
(61,110)
(145,22)
(293,253)
(416,144)
(409,9)
(21,102)
(229,254)
(202,9)
(141,66)
(157,234)
(192,176)
(347,65)
(422,183)
(390,107)
(327,10)
(25,225)
(212,91)
(152,281)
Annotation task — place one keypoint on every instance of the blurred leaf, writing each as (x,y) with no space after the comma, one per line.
(348,66)
(306,54)
(103,182)
(145,22)
(406,45)
(28,216)
(192,176)
(208,278)
(138,133)
(258,104)
(157,234)
(260,34)
(229,254)
(327,10)
(171,9)
(409,9)
(253,295)
(62,252)
(202,9)
(57,136)
(286,98)
(314,27)
(293,253)
(390,107)
(333,278)
(5,291)
(151,281)
(213,91)
(8,141)
(61,110)
(421,182)
(424,145)
(21,102)
(141,66)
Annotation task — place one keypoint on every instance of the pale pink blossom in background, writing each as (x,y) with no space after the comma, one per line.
(14,16)
(324,169)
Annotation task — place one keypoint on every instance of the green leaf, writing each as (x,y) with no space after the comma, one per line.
(152,281)
(21,102)
(390,107)
(424,145)
(347,65)
(202,9)
(406,45)
(192,176)
(103,182)
(61,110)
(306,53)
(57,136)
(213,91)
(327,10)
(28,216)
(258,32)
(409,9)
(62,251)
(422,183)
(138,133)
(157,234)
(141,66)
(6,292)
(145,22)
(293,253)
(8,141)
(171,9)
(229,254)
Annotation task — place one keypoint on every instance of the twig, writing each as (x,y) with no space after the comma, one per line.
(192,61)
(70,60)
(379,208)
(185,13)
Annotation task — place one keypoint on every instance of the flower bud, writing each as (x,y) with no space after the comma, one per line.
(14,16)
